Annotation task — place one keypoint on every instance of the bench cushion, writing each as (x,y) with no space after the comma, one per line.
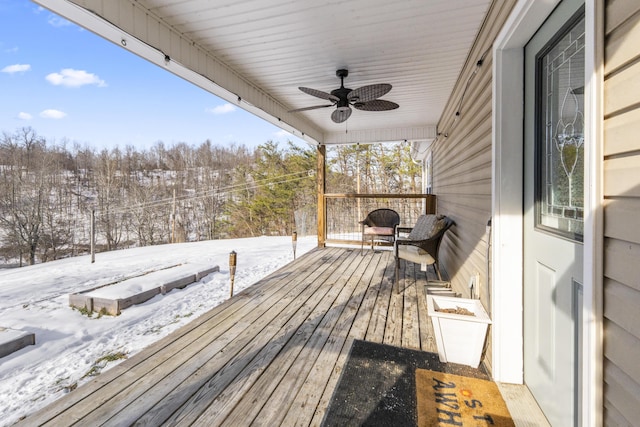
(415,254)
(378,231)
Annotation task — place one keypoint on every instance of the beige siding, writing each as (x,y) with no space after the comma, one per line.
(622,206)
(462,164)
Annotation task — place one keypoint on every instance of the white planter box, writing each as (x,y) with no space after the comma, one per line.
(459,337)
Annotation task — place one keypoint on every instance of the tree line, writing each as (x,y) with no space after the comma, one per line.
(172,193)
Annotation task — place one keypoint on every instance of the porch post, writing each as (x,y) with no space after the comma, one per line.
(321,182)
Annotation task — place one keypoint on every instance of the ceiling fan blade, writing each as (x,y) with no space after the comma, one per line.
(369,93)
(341,114)
(376,105)
(319,94)
(309,108)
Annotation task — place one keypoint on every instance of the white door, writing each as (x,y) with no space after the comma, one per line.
(553,210)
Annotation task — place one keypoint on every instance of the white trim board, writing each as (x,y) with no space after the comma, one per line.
(507,198)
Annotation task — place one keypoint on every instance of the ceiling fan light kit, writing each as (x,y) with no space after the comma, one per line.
(365,98)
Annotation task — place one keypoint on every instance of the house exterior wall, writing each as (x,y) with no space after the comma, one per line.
(461,161)
(621,176)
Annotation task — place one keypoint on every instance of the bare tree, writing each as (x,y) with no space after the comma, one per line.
(108,180)
(25,190)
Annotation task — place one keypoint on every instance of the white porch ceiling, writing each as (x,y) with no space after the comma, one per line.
(258,52)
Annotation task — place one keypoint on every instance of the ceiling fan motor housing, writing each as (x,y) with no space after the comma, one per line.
(342,95)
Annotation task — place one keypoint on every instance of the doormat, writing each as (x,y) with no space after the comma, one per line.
(377,386)
(452,400)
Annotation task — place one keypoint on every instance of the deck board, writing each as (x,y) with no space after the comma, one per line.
(427,341)
(264,388)
(410,320)
(302,382)
(377,325)
(271,355)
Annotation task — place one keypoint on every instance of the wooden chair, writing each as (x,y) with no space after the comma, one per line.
(379,223)
(422,244)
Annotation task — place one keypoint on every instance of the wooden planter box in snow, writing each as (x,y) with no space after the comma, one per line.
(13,340)
(114,306)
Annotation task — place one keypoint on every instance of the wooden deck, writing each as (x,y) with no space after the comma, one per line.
(272,355)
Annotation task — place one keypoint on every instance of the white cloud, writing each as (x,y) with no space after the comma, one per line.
(58,22)
(12,50)
(282,134)
(24,116)
(222,109)
(53,114)
(74,78)
(16,68)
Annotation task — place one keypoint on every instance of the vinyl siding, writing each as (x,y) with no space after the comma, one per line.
(621,171)
(462,165)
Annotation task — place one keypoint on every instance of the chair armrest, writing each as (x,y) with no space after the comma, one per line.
(407,242)
(403,230)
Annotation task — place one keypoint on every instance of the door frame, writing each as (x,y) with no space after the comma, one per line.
(507,200)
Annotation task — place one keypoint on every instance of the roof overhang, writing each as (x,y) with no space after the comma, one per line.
(256,53)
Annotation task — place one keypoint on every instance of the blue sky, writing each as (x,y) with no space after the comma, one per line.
(69,84)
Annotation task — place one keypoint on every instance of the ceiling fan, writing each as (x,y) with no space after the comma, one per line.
(364,98)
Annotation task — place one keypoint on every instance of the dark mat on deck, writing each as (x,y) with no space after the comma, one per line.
(377,386)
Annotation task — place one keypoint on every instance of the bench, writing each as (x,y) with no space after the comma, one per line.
(422,244)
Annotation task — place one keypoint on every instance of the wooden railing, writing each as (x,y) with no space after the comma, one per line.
(341,213)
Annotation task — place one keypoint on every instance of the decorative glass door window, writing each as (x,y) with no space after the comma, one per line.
(559,177)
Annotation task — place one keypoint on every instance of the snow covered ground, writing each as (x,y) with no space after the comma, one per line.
(71,346)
